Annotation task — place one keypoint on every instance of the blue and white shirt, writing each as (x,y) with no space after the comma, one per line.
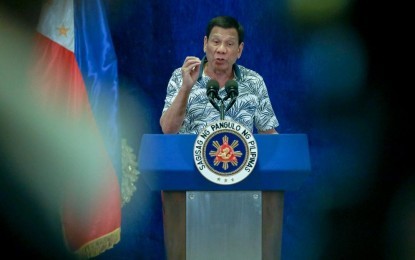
(252,107)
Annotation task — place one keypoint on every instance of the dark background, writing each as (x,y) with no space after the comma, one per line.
(334,71)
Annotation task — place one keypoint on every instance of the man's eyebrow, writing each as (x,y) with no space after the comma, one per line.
(227,37)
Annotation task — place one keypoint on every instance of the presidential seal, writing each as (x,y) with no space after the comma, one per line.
(225,152)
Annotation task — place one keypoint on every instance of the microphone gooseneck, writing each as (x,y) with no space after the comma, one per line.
(231,88)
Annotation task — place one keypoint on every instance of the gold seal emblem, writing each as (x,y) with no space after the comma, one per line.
(225,152)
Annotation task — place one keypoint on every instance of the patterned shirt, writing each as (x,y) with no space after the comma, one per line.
(252,107)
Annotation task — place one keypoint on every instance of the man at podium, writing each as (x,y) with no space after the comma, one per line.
(187,109)
(203,91)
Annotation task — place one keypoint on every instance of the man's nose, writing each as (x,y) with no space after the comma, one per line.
(222,48)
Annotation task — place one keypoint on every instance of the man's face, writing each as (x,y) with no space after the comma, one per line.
(222,48)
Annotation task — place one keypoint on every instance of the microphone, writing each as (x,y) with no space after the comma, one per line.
(231,87)
(212,89)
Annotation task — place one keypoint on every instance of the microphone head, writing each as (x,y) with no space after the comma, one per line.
(212,88)
(231,87)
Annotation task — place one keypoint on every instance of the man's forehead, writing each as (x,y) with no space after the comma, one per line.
(230,33)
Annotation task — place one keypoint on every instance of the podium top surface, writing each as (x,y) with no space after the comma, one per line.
(166,162)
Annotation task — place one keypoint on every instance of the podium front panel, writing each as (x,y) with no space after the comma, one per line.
(224,225)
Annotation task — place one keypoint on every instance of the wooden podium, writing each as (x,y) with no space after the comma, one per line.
(205,220)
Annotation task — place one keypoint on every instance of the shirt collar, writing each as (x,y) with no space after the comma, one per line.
(235,68)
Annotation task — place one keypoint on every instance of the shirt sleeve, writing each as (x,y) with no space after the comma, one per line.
(173,88)
(265,118)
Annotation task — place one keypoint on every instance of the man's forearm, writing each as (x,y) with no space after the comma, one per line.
(172,119)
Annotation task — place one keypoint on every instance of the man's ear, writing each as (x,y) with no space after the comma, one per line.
(205,40)
(240,49)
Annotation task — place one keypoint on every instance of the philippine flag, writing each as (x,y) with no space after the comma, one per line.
(76,70)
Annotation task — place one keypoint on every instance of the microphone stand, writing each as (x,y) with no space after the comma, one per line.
(222,110)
